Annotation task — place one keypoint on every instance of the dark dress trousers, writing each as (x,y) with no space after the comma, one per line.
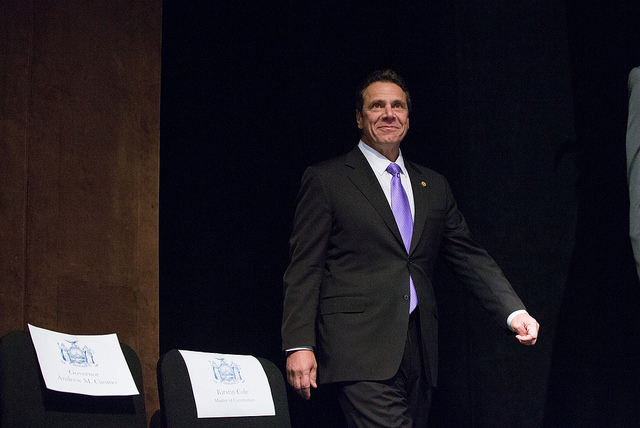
(346,290)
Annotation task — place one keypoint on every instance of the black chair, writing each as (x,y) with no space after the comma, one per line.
(178,406)
(25,401)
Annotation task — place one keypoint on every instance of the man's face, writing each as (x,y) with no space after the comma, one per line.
(385,117)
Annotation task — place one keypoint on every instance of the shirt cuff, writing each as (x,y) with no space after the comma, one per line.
(298,348)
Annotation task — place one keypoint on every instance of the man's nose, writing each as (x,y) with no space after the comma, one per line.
(388,112)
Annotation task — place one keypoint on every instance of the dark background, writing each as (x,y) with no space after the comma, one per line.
(522,105)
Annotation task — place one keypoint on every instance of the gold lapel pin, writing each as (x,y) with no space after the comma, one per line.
(423,184)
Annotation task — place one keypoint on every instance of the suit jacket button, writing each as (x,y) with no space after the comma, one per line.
(405,297)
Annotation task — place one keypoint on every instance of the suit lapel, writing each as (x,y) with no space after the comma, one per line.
(421,196)
(363,177)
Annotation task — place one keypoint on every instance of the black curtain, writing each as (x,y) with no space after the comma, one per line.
(253,92)
(594,371)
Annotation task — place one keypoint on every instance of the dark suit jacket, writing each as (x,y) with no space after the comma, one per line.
(346,290)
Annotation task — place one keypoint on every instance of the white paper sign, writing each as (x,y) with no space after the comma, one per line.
(226,385)
(89,365)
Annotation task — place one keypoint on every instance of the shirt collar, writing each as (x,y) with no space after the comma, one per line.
(377,161)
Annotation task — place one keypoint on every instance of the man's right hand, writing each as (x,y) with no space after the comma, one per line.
(302,371)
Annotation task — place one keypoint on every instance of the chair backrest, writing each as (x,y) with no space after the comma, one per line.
(178,406)
(25,401)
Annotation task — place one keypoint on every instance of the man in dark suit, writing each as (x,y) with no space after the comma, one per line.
(359,307)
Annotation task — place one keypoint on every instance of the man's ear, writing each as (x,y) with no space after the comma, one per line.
(359,119)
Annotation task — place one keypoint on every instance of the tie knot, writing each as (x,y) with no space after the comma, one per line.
(394,169)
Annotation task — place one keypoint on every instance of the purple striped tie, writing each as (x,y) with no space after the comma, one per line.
(402,213)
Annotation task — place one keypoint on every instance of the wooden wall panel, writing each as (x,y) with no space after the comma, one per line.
(82,202)
(15,49)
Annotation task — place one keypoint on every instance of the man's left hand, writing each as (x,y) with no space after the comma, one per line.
(526,328)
